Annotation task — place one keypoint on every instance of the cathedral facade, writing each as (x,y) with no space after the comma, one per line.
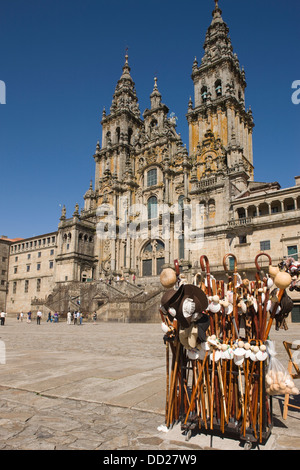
(153,201)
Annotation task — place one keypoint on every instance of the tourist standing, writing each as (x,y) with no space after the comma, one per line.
(38,317)
(69,316)
(3,315)
(21,316)
(75,318)
(94,317)
(29,317)
(49,318)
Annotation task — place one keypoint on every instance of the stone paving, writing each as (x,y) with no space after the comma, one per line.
(102,387)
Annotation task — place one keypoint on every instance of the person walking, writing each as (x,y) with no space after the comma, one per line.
(69,316)
(21,316)
(3,315)
(94,317)
(49,317)
(80,318)
(29,317)
(75,318)
(38,317)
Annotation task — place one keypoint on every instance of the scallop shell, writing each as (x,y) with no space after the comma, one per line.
(228,354)
(214,307)
(229,309)
(261,355)
(239,352)
(295,391)
(193,354)
(164,327)
(216,356)
(205,346)
(253,356)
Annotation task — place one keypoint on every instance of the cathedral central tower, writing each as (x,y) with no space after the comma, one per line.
(218,120)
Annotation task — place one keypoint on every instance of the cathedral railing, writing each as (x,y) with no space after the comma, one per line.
(240,222)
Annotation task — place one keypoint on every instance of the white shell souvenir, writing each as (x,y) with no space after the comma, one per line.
(193,354)
(229,309)
(216,355)
(228,354)
(205,346)
(164,327)
(261,355)
(214,305)
(253,356)
(239,354)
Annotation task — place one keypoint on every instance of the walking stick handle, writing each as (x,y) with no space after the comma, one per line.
(258,256)
(230,255)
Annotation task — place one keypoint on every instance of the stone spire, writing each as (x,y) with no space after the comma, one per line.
(124,98)
(155,96)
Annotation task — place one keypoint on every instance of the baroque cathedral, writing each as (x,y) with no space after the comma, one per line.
(153,201)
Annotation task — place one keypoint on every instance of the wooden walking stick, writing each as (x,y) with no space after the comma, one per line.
(222,389)
(212,392)
(262,314)
(235,309)
(204,263)
(196,388)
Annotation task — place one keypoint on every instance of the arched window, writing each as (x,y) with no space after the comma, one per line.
(152,177)
(153,258)
(152,207)
(218,88)
(118,134)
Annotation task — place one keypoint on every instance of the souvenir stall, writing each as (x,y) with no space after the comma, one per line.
(221,368)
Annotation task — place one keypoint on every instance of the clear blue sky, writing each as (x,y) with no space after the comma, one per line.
(61,59)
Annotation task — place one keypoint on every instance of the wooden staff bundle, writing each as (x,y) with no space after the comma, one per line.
(216,381)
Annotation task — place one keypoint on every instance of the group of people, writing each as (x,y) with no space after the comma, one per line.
(72,317)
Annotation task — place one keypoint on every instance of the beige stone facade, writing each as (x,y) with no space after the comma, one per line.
(132,223)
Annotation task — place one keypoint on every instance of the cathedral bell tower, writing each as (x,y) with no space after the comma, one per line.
(220,127)
(113,162)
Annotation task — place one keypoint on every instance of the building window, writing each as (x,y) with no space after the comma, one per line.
(28,268)
(15,287)
(26,286)
(15,269)
(242,239)
(39,254)
(50,264)
(29,256)
(38,285)
(265,245)
(293,252)
(38,266)
(51,252)
(16,258)
(231,263)
(152,177)
(152,208)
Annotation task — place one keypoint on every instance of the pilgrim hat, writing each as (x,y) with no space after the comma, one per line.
(177,302)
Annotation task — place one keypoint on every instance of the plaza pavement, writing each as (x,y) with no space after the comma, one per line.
(102,387)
